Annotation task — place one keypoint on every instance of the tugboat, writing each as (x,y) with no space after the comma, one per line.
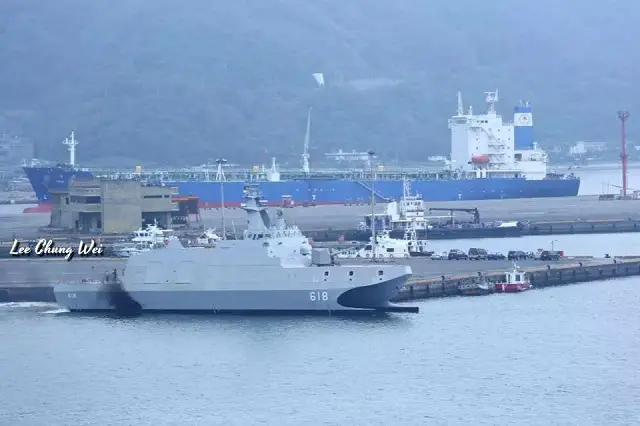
(515,281)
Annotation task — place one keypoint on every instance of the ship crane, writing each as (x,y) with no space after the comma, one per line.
(305,151)
(474,212)
(71,142)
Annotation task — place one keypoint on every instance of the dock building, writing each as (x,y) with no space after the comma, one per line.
(112,206)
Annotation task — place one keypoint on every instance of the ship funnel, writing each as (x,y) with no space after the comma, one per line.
(523,126)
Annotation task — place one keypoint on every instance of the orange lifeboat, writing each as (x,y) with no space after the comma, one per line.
(480,159)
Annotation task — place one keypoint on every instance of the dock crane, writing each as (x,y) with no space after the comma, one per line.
(474,212)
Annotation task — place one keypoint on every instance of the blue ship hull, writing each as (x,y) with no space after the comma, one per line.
(43,179)
(334,191)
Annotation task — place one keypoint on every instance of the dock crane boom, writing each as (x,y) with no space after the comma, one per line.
(474,212)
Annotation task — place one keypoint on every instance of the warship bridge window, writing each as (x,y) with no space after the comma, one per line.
(350,273)
(326,273)
(380,272)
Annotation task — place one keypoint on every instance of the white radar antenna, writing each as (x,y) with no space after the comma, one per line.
(491,99)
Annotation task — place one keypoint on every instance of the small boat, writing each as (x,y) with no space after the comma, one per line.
(515,281)
(417,247)
(477,287)
(208,237)
(144,239)
(385,248)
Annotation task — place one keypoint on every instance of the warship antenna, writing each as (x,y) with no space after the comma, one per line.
(71,142)
(220,162)
(373,206)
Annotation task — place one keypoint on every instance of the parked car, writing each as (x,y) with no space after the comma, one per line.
(478,254)
(440,256)
(496,256)
(517,255)
(456,254)
(549,255)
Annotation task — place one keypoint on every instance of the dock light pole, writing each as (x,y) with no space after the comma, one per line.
(623,116)
(220,162)
(373,205)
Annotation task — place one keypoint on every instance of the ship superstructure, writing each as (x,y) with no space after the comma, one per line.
(488,147)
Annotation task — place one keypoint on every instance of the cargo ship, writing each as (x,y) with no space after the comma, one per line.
(490,159)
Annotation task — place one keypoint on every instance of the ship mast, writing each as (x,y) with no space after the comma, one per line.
(373,206)
(460,106)
(305,151)
(71,142)
(491,99)
(220,178)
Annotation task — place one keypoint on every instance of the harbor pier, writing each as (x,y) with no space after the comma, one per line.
(31,279)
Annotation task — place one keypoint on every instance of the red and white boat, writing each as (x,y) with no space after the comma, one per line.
(515,281)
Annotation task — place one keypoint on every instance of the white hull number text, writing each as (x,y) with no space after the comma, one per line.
(316,296)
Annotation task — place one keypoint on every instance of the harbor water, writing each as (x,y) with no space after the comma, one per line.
(558,356)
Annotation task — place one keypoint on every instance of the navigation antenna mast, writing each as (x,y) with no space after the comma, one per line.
(220,178)
(623,116)
(71,142)
(373,206)
(491,99)
(305,152)
(460,106)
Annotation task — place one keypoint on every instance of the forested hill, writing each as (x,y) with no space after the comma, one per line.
(183,81)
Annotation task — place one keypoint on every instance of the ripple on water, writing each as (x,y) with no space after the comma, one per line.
(557,356)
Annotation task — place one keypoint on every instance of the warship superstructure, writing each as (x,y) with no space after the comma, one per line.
(273,268)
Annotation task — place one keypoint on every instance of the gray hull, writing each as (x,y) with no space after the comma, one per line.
(98,297)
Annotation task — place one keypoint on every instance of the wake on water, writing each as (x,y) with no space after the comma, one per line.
(51,308)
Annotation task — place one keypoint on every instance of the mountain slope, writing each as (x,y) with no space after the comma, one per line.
(181,82)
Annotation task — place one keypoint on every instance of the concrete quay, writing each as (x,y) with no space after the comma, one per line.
(32,279)
(544,274)
(577,209)
(584,214)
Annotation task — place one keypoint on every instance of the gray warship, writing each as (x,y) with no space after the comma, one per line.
(272,269)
